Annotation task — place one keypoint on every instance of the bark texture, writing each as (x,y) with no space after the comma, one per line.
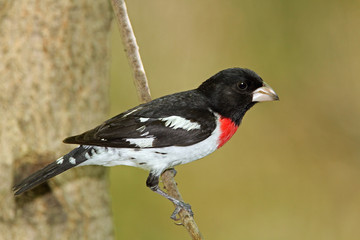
(53,83)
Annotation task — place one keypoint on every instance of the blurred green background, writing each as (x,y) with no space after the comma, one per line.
(292,169)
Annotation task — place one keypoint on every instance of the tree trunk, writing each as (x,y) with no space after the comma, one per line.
(53,83)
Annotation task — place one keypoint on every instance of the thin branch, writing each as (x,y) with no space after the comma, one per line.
(140,80)
(132,50)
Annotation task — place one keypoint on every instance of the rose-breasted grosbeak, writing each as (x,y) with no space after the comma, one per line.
(168,131)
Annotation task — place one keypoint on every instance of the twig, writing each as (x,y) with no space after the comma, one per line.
(140,80)
(132,50)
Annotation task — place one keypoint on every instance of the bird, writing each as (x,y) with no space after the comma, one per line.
(165,132)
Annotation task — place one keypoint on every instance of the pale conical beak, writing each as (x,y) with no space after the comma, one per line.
(264,93)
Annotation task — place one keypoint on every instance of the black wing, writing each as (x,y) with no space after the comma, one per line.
(169,121)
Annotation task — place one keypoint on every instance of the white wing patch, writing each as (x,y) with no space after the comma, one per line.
(144,134)
(143,119)
(176,122)
(141,142)
(72,160)
(60,160)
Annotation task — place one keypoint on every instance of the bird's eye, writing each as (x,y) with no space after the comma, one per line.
(242,85)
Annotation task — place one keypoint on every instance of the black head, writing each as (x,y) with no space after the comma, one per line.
(231,92)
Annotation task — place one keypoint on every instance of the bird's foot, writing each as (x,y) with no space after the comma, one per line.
(181,205)
(153,183)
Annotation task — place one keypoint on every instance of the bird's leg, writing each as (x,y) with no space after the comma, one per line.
(152,182)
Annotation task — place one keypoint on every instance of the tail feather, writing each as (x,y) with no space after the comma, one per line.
(70,160)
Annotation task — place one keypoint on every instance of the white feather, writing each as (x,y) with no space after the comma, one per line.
(141,142)
(176,122)
(60,160)
(127,114)
(72,160)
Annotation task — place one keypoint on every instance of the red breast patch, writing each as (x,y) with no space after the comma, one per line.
(227,128)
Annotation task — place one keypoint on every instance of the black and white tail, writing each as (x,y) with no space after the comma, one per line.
(70,160)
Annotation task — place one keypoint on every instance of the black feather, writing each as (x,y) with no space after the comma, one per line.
(190,105)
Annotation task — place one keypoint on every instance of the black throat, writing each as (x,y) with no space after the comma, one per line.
(237,114)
